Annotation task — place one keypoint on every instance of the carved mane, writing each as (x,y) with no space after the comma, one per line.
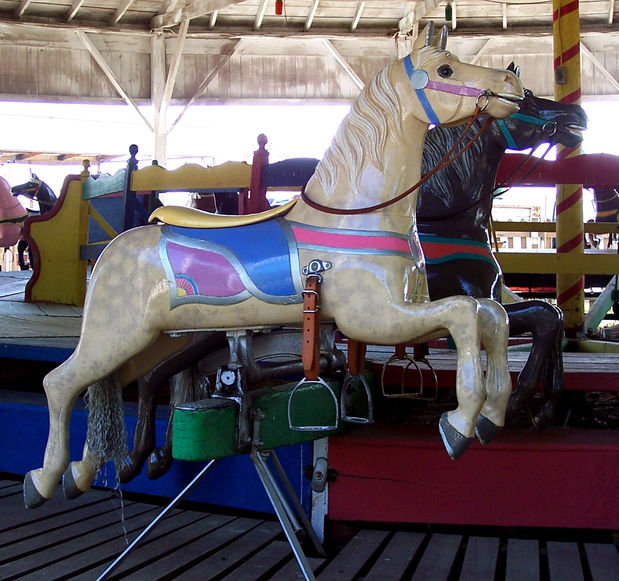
(362,136)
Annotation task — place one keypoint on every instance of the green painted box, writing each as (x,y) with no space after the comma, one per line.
(209,430)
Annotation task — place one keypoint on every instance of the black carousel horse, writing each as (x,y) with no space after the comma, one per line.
(37,190)
(606,200)
(453,214)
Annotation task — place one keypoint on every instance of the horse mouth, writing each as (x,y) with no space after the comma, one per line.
(509,98)
(576,129)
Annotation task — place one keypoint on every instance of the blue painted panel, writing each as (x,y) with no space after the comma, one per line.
(232,483)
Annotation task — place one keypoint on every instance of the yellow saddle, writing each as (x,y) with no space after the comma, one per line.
(193,218)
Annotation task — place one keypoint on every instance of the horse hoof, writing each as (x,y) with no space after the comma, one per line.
(69,486)
(485,430)
(158,464)
(32,497)
(127,470)
(455,443)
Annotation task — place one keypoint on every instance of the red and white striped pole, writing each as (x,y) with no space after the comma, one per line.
(570,228)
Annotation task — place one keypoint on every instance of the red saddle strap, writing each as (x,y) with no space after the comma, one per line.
(311,341)
(356,357)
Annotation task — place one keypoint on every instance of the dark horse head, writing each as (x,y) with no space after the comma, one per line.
(36,190)
(463,190)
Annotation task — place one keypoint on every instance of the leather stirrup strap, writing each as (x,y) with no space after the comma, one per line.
(311,342)
(356,357)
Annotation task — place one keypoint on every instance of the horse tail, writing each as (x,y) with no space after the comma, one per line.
(189,385)
(106,435)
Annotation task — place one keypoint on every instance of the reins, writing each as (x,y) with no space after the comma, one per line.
(445,161)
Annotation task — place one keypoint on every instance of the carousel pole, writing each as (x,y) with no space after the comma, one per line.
(570,229)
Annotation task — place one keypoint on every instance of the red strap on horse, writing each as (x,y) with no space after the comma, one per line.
(311,341)
(356,357)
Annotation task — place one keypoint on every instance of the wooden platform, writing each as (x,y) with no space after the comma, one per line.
(79,539)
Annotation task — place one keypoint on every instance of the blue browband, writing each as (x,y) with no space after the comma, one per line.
(411,72)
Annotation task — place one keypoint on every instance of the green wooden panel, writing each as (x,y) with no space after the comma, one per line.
(209,431)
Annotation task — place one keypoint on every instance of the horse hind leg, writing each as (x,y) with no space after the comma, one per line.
(494,337)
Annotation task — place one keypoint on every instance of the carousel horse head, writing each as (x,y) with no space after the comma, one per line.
(440,81)
(37,190)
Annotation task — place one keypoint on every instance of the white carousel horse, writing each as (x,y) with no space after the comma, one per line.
(152,282)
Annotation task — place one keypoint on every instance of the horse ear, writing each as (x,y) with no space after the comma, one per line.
(443,40)
(425,37)
(514,69)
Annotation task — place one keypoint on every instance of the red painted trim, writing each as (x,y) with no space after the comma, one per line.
(571,292)
(569,201)
(566,55)
(573,243)
(565,10)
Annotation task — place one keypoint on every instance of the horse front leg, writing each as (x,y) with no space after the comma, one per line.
(545,361)
(494,327)
(457,427)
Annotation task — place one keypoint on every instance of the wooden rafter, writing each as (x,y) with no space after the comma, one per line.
(357,16)
(176,10)
(311,14)
(342,62)
(23,6)
(75,6)
(105,67)
(260,15)
(599,66)
(120,11)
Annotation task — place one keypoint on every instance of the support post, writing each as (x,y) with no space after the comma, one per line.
(570,228)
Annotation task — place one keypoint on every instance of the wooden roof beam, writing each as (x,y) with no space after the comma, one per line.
(260,15)
(357,16)
(120,11)
(105,67)
(176,11)
(23,6)
(611,11)
(599,66)
(75,6)
(342,62)
(311,14)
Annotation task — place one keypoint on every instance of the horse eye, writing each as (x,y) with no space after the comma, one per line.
(445,71)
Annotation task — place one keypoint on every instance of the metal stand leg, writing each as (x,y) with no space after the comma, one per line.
(307,525)
(283,512)
(147,530)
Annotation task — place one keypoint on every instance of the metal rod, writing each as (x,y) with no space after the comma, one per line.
(275,497)
(297,505)
(147,530)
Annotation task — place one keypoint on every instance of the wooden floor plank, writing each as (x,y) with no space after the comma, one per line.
(522,560)
(292,572)
(348,563)
(480,559)
(261,563)
(53,531)
(438,558)
(396,557)
(10,490)
(564,562)
(76,554)
(163,537)
(603,561)
(186,555)
(232,555)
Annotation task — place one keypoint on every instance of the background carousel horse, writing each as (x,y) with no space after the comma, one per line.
(453,213)
(37,190)
(153,281)
(606,200)
(12,216)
